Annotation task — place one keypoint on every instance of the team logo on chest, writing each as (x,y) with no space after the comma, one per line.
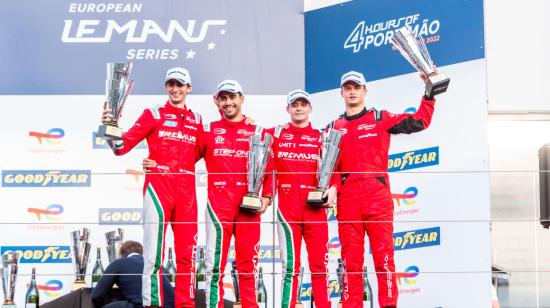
(219,140)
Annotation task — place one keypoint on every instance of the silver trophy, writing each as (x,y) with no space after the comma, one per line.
(415,51)
(118,87)
(81,254)
(9,277)
(114,241)
(257,162)
(325,166)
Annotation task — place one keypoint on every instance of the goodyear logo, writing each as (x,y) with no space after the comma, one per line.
(99,143)
(266,254)
(333,289)
(40,254)
(120,216)
(46,178)
(413,159)
(416,238)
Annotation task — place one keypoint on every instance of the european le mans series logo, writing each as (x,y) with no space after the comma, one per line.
(40,254)
(413,159)
(417,238)
(46,178)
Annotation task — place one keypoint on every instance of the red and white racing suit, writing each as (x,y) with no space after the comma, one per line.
(364,197)
(225,150)
(296,151)
(168,196)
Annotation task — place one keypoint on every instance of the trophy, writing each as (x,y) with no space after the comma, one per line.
(415,51)
(299,291)
(235,276)
(81,253)
(9,277)
(325,166)
(118,87)
(114,241)
(257,161)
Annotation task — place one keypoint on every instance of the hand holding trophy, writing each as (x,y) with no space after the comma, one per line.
(118,87)
(257,162)
(415,51)
(325,166)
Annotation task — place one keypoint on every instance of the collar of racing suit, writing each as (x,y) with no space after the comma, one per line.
(226,122)
(169,106)
(355,116)
(299,130)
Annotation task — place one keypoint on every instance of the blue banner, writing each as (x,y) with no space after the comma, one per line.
(358,37)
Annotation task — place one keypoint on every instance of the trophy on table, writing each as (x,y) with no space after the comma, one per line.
(118,88)
(415,51)
(299,291)
(114,241)
(257,162)
(9,277)
(81,254)
(325,166)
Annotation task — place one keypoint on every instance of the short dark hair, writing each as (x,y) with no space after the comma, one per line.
(129,247)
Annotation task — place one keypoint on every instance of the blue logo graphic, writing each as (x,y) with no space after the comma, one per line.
(40,254)
(46,178)
(413,159)
(416,238)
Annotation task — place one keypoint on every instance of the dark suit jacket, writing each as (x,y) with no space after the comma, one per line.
(130,285)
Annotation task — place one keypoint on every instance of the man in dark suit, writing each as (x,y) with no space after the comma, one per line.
(126,273)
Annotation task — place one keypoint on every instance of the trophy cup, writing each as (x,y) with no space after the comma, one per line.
(325,166)
(81,253)
(415,51)
(9,277)
(299,291)
(257,161)
(114,241)
(235,276)
(118,87)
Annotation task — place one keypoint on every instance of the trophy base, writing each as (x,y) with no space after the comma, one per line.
(437,84)
(108,131)
(78,285)
(315,198)
(251,202)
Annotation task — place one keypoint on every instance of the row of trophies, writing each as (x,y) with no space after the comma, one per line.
(119,86)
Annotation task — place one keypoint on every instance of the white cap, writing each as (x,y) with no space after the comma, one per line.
(296,94)
(178,73)
(355,77)
(231,86)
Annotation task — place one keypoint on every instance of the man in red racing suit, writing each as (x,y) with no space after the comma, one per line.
(225,150)
(296,148)
(172,132)
(364,198)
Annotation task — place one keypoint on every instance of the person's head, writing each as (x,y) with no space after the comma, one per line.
(229,98)
(177,84)
(129,247)
(353,88)
(298,106)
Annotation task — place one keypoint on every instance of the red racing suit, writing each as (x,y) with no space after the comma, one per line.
(364,195)
(168,196)
(296,151)
(225,150)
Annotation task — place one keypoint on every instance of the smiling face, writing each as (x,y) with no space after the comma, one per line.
(353,94)
(177,92)
(229,104)
(299,111)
